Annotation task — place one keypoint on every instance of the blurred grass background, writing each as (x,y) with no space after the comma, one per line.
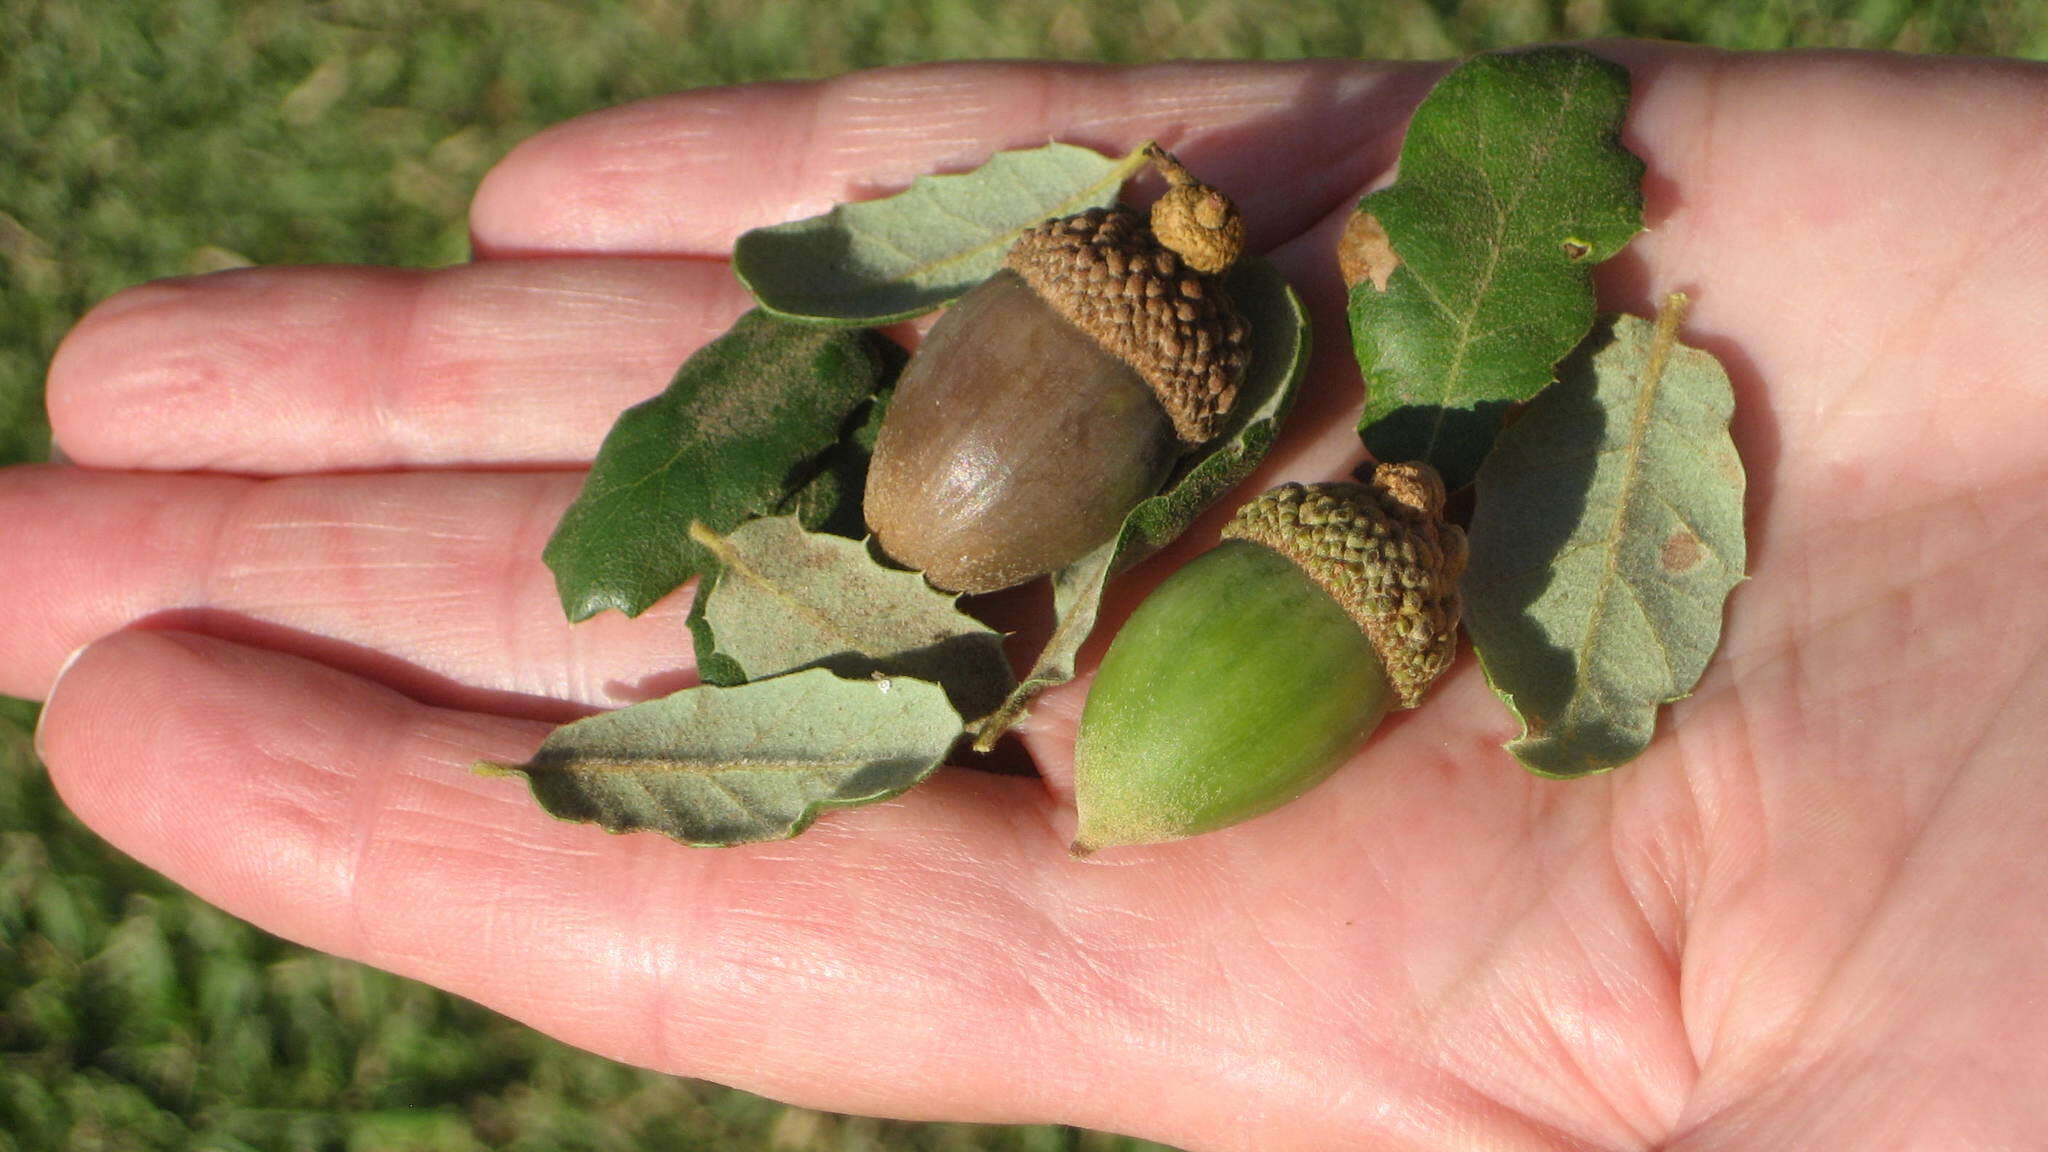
(150,138)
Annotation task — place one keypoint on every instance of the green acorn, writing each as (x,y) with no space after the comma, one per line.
(1052,398)
(1249,675)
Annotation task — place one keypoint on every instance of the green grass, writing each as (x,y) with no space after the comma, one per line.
(147,140)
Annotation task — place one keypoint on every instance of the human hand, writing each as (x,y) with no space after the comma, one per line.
(301,548)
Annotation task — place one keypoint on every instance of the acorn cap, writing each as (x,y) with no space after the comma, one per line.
(1152,296)
(1384,553)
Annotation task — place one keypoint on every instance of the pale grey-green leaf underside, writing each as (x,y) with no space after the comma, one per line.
(878,261)
(787,599)
(715,766)
(1607,536)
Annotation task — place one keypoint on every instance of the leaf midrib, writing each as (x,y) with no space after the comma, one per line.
(1493,259)
(1663,342)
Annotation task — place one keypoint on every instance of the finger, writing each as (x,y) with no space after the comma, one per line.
(432,582)
(346,817)
(933,956)
(688,173)
(314,369)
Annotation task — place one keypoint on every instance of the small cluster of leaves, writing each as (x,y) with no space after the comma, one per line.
(828,677)
(735,476)
(1607,529)
(1608,524)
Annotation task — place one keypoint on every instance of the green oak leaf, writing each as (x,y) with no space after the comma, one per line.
(1513,184)
(786,599)
(744,424)
(713,766)
(1607,536)
(1280,345)
(830,500)
(884,260)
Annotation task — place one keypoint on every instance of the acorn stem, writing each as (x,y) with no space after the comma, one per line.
(1238,685)
(1196,221)
(1169,166)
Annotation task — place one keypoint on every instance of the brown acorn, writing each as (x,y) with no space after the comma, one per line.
(1052,398)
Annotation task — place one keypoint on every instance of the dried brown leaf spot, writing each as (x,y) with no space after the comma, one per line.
(1681,553)
(1364,252)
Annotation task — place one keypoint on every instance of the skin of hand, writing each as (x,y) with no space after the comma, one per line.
(294,561)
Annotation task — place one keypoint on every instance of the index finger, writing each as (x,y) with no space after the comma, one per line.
(686,174)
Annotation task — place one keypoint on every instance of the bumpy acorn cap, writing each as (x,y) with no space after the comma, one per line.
(1381,550)
(1152,296)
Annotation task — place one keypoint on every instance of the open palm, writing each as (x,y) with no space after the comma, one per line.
(302,541)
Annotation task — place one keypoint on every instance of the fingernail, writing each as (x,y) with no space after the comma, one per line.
(36,740)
